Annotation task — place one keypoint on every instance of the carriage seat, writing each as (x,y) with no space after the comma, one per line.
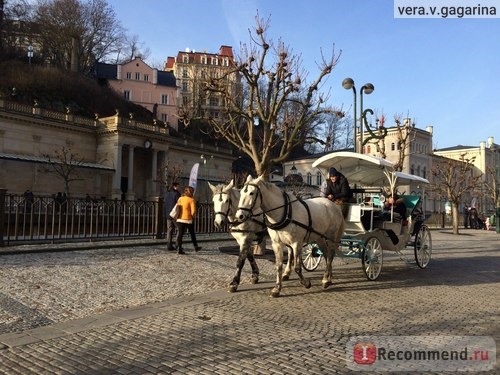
(353,220)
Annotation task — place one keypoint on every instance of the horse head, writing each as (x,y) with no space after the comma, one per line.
(222,203)
(250,198)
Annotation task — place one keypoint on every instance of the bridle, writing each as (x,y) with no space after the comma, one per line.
(225,214)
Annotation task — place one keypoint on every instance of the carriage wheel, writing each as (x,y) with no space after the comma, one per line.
(423,246)
(311,256)
(372,258)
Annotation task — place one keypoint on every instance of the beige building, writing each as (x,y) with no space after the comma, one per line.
(116,157)
(486,158)
(190,69)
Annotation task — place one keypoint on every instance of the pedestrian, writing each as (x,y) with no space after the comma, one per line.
(170,200)
(28,199)
(185,219)
(338,190)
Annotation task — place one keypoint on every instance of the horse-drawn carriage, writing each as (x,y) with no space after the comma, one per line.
(367,234)
(313,229)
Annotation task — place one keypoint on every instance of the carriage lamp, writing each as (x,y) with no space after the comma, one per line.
(348,84)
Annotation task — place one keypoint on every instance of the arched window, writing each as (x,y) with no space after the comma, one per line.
(393,146)
(412,169)
(368,149)
(309,178)
(424,172)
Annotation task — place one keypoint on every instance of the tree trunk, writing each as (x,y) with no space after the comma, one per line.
(454,216)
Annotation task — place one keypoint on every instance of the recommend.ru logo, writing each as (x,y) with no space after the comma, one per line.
(421,353)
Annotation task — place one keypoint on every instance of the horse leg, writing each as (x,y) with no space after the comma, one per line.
(289,264)
(240,262)
(278,254)
(329,254)
(253,264)
(306,282)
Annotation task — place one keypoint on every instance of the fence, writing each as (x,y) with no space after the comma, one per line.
(54,219)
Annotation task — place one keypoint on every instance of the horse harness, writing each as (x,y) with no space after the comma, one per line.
(287,214)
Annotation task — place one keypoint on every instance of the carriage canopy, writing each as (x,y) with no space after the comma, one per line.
(365,170)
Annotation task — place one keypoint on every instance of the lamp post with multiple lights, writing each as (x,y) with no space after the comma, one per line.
(368,88)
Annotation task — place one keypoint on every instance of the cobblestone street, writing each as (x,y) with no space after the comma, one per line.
(141,309)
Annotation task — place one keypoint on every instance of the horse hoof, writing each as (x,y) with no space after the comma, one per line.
(275,294)
(285,277)
(255,280)
(233,288)
(327,284)
(307,284)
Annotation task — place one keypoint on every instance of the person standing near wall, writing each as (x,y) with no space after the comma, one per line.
(170,200)
(185,219)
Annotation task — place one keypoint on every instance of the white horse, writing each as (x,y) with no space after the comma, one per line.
(225,199)
(293,222)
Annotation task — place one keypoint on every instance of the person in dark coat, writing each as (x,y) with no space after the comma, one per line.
(338,190)
(171,198)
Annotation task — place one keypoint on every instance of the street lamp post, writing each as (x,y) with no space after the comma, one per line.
(205,160)
(348,83)
(30,53)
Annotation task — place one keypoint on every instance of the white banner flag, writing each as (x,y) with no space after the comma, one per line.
(193,177)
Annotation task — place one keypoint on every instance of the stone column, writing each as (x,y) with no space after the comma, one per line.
(116,192)
(130,188)
(154,171)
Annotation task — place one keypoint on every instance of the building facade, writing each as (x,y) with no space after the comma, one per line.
(486,162)
(116,157)
(136,81)
(191,68)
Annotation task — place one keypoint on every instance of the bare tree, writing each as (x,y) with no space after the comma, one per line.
(492,186)
(132,47)
(405,133)
(452,179)
(334,133)
(168,173)
(65,164)
(271,112)
(89,30)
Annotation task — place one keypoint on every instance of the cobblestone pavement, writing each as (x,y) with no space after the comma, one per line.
(141,309)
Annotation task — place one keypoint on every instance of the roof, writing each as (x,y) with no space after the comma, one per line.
(106,71)
(42,159)
(166,78)
(455,148)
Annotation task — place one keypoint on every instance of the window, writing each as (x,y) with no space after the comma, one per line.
(418,170)
(368,149)
(214,101)
(129,75)
(126,95)
(214,61)
(164,99)
(146,77)
(319,179)
(184,86)
(393,146)
(185,100)
(185,59)
(164,117)
(225,62)
(184,73)
(424,172)
(137,76)
(412,169)
(309,178)
(203,59)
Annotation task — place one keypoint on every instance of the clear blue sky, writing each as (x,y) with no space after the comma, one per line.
(441,72)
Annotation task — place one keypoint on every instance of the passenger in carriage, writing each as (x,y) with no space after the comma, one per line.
(398,207)
(338,190)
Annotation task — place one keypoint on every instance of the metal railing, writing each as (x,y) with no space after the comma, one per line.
(51,219)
